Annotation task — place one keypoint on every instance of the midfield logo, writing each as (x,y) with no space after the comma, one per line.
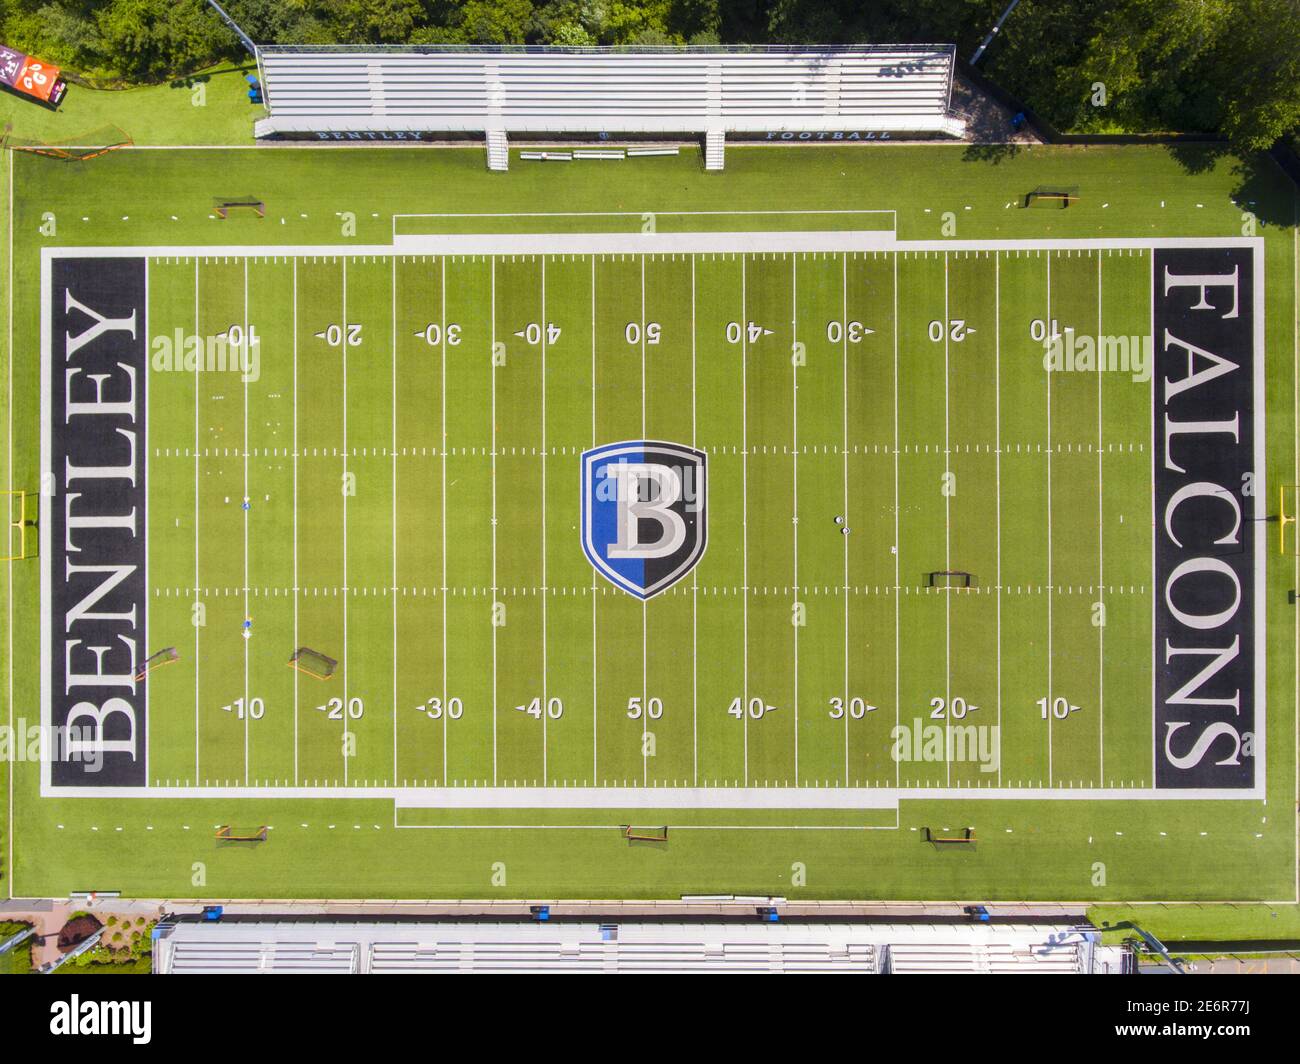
(643,513)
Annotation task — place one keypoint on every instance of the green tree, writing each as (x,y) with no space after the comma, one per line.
(495,21)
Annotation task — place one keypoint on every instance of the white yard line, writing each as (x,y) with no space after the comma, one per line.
(744,506)
(442,472)
(898,626)
(393,290)
(346,590)
(645,606)
(244,506)
(638,243)
(785,797)
(9,460)
(695,585)
(794,524)
(1101,560)
(595,753)
(198,590)
(947,545)
(494,518)
(545,587)
(1151,435)
(844,474)
(997,478)
(148,423)
(1051,329)
(295,517)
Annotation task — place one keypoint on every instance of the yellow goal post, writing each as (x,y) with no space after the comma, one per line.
(22,509)
(1288,503)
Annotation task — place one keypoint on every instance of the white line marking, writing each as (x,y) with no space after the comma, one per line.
(794,495)
(844,451)
(393,290)
(346,592)
(246,362)
(645,606)
(744,506)
(595,755)
(494,519)
(9,459)
(695,585)
(947,543)
(198,589)
(898,623)
(997,476)
(442,472)
(545,691)
(1048,256)
(1101,560)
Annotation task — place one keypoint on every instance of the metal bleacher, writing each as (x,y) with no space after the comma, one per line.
(976,958)
(366,92)
(377,946)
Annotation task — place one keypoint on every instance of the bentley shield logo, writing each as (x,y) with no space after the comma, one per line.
(643,513)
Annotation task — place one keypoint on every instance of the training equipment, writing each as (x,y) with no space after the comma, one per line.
(949,578)
(1052,196)
(654,834)
(222,207)
(225,835)
(313,663)
(84,146)
(164,657)
(967,836)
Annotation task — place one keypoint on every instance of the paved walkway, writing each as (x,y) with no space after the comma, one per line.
(48,917)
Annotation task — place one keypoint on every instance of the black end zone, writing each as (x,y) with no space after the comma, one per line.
(96,376)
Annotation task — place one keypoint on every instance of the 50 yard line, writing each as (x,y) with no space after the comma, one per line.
(595,758)
(695,586)
(645,712)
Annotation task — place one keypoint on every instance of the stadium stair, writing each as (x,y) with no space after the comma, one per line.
(714,141)
(498,151)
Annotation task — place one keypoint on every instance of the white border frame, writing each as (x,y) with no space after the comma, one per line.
(656,797)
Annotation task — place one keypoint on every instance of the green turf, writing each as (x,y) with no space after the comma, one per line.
(211,107)
(351,847)
(396,571)
(1200,923)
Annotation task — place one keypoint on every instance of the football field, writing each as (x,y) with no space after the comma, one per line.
(928,558)
(973,543)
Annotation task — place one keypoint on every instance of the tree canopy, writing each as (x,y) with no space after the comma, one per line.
(1229,66)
